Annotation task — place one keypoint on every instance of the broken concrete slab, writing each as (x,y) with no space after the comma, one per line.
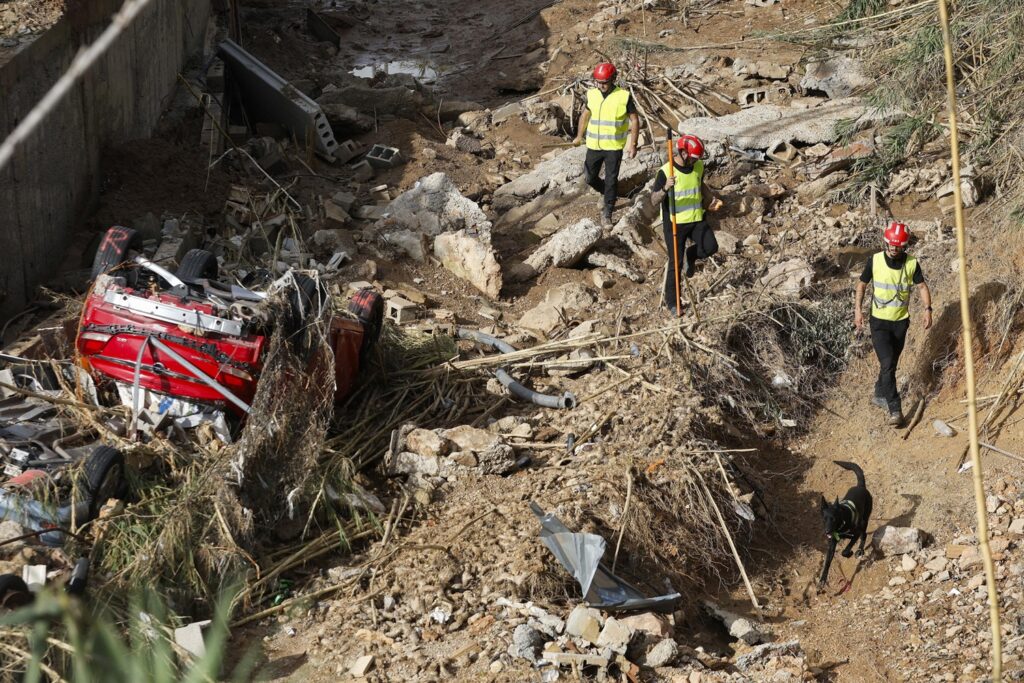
(618,265)
(842,157)
(361,666)
(615,636)
(739,627)
(811,190)
(565,172)
(471,258)
(789,278)
(837,77)
(584,622)
(567,247)
(343,118)
(560,303)
(268,97)
(427,442)
(397,101)
(762,126)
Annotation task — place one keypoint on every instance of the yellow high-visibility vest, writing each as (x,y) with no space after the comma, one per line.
(609,123)
(688,207)
(890,299)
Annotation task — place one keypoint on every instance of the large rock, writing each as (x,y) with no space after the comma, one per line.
(894,540)
(789,278)
(837,77)
(432,206)
(615,635)
(762,654)
(567,247)
(492,454)
(427,442)
(763,126)
(571,297)
(470,258)
(656,625)
(564,172)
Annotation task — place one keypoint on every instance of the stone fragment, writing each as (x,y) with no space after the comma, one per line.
(662,654)
(891,540)
(789,278)
(471,259)
(615,635)
(908,563)
(739,627)
(656,625)
(427,442)
(837,77)
(526,643)
(567,247)
(361,666)
(584,622)
(616,265)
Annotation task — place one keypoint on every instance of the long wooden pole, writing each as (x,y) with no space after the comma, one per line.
(672,212)
(965,318)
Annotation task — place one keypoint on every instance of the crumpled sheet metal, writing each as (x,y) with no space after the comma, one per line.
(581,555)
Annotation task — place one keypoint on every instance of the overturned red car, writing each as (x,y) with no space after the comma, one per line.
(189,336)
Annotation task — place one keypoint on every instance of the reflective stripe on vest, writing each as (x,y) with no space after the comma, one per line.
(688,202)
(890,299)
(609,124)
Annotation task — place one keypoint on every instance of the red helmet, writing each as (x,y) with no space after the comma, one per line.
(896,235)
(604,72)
(691,146)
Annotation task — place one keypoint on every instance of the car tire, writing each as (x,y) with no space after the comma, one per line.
(11,584)
(368,306)
(114,248)
(198,264)
(104,477)
(307,296)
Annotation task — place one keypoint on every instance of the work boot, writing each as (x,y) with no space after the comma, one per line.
(691,264)
(877,400)
(895,414)
(606,219)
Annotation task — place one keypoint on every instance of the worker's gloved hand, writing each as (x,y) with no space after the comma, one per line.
(658,197)
(578,140)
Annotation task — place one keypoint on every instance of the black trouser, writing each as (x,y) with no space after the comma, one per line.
(609,187)
(704,245)
(888,338)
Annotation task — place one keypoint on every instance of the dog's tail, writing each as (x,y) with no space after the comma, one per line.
(853,467)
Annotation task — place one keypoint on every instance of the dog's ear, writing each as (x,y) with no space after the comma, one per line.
(837,501)
(824,504)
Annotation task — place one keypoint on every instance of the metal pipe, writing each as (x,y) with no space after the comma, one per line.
(209,381)
(167,275)
(566,401)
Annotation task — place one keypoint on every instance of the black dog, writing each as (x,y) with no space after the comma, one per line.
(846,518)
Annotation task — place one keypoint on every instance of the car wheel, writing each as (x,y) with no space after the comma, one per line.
(104,477)
(13,591)
(368,306)
(198,264)
(114,249)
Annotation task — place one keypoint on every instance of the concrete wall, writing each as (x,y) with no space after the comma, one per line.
(53,180)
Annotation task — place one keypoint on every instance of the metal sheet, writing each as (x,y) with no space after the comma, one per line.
(581,555)
(270,98)
(172,314)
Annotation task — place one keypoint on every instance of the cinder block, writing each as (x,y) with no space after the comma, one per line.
(362,171)
(401,310)
(782,152)
(752,96)
(382,156)
(347,150)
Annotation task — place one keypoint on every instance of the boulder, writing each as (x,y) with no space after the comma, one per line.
(739,626)
(492,454)
(616,265)
(565,172)
(813,189)
(789,278)
(432,206)
(837,77)
(656,625)
(567,247)
(763,126)
(727,242)
(893,540)
(615,635)
(471,259)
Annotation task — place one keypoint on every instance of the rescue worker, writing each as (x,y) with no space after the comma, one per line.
(691,193)
(892,273)
(611,124)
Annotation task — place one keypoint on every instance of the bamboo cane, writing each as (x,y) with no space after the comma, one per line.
(965,317)
(672,211)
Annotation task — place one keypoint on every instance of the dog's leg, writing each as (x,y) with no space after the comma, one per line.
(829,553)
(848,551)
(863,538)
